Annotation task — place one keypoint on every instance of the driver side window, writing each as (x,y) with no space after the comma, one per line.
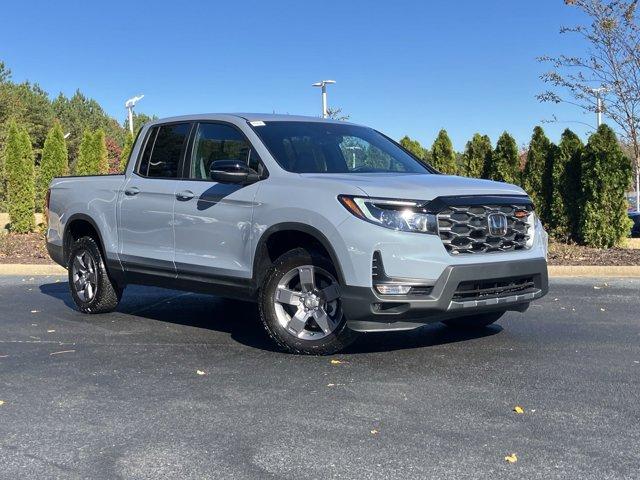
(215,141)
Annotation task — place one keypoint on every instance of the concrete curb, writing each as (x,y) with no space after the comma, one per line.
(555,271)
(559,271)
(32,270)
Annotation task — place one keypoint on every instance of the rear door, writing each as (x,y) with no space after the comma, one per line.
(146,240)
(213,220)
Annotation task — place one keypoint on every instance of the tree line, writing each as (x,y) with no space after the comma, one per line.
(93,141)
(578,189)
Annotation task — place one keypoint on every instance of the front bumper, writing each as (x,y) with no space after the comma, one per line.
(367,310)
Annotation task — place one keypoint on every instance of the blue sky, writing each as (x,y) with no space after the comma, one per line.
(404,67)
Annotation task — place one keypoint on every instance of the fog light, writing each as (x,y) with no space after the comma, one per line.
(393,289)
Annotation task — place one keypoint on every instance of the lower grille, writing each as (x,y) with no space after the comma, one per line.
(465,229)
(495,288)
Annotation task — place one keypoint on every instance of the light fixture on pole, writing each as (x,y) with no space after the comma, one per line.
(597,92)
(129,104)
(323,84)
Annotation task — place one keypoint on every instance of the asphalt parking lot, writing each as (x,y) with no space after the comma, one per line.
(186,386)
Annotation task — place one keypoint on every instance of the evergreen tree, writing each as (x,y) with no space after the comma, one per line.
(92,154)
(504,165)
(443,157)
(565,187)
(19,165)
(54,163)
(605,176)
(100,151)
(413,146)
(538,166)
(126,151)
(87,163)
(477,153)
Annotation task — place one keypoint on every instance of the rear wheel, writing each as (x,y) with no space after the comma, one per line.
(473,322)
(300,305)
(91,288)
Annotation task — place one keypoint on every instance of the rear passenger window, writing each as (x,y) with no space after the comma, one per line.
(163,151)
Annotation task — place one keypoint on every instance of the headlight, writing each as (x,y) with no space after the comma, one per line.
(402,215)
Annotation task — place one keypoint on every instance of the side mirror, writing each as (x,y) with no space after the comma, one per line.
(232,171)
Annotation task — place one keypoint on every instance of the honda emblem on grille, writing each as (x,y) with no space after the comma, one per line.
(497,224)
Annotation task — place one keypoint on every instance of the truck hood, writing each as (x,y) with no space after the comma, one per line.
(418,186)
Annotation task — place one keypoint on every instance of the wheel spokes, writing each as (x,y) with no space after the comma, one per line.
(298,322)
(323,320)
(290,297)
(85,277)
(307,280)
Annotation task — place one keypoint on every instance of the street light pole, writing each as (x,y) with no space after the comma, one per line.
(323,84)
(129,104)
(597,92)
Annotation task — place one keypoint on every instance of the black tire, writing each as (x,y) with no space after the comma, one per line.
(333,342)
(106,294)
(474,322)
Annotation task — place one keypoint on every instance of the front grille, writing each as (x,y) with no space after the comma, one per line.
(465,229)
(503,287)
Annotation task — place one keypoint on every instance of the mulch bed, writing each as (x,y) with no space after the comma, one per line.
(576,255)
(23,248)
(30,248)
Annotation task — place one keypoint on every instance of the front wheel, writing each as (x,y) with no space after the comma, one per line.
(300,305)
(473,322)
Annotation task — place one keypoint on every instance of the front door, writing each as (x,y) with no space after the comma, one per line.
(213,220)
(146,240)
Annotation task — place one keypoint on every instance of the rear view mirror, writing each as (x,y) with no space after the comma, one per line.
(232,171)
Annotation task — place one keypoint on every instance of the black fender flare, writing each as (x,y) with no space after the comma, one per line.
(90,221)
(296,227)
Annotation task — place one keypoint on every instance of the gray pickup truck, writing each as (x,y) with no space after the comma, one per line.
(333,228)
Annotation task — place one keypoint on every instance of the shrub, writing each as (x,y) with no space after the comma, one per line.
(605,175)
(537,170)
(92,154)
(443,157)
(476,155)
(504,164)
(19,167)
(101,152)
(126,151)
(54,163)
(564,190)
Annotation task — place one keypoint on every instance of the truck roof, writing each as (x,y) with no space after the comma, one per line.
(249,117)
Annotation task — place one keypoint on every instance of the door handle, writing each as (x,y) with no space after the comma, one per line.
(185,195)
(130,192)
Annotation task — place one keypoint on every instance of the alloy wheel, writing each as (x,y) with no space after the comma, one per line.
(307,302)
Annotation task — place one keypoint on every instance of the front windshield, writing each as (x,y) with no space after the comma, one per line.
(318,147)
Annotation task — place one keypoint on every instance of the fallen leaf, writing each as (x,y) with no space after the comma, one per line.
(62,351)
(336,362)
(518,409)
(511,458)
(374,432)
(200,372)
